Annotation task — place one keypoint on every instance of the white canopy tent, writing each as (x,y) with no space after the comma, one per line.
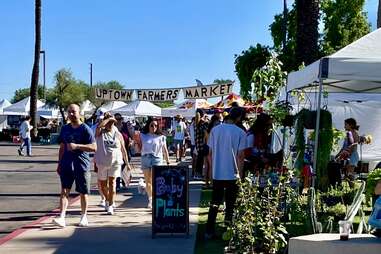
(87,108)
(174,111)
(139,108)
(3,104)
(48,112)
(112,105)
(21,108)
(3,118)
(353,69)
(186,109)
(365,108)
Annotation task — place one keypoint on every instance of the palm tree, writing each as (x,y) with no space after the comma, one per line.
(36,67)
(307,35)
(379,14)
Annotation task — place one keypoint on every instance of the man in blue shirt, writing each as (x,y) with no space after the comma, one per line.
(76,141)
(227,143)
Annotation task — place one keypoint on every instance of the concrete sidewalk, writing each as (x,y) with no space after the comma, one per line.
(127,231)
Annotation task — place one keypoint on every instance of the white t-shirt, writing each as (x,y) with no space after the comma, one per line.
(180,128)
(152,144)
(25,129)
(225,142)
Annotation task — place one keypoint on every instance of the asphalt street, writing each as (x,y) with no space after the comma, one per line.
(29,186)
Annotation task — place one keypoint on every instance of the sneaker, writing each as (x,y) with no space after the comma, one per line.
(20,152)
(59,221)
(102,203)
(110,210)
(83,222)
(149,206)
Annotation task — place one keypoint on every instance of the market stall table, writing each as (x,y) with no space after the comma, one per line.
(331,244)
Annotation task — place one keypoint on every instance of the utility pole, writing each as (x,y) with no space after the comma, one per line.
(43,72)
(91,75)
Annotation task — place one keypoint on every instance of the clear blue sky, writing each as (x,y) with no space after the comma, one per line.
(142,44)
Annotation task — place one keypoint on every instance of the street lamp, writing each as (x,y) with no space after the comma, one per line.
(91,75)
(43,70)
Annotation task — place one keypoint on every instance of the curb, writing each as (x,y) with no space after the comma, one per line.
(31,225)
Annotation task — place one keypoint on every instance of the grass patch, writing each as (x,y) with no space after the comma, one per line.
(212,246)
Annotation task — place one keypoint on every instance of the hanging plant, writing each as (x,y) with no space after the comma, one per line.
(267,83)
(325,142)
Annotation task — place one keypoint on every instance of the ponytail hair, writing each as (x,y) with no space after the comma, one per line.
(199,114)
(197,118)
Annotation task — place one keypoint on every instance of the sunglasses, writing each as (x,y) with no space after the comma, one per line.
(153,125)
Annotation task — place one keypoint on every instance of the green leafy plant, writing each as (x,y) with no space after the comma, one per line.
(373,178)
(268,80)
(337,210)
(325,142)
(261,216)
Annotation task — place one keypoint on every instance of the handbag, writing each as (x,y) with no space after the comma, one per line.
(126,176)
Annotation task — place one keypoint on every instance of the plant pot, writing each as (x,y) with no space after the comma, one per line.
(348,198)
(309,120)
(331,200)
(288,121)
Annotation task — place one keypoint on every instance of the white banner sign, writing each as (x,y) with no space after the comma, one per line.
(195,92)
(158,94)
(209,91)
(113,95)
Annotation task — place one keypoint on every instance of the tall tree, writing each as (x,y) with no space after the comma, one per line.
(307,34)
(66,91)
(379,14)
(247,63)
(344,22)
(25,92)
(36,67)
(283,32)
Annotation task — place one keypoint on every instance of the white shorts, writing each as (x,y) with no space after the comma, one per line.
(104,172)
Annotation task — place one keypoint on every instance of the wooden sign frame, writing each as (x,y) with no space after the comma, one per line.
(171,190)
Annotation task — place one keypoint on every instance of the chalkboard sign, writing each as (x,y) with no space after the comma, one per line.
(170,207)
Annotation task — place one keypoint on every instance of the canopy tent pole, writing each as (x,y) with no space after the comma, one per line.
(317,124)
(284,127)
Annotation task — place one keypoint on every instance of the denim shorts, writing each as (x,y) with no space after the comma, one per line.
(81,178)
(179,142)
(149,160)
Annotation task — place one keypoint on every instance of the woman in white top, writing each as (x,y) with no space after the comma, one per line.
(153,148)
(109,158)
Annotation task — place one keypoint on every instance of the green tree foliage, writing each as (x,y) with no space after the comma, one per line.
(222,81)
(344,22)
(67,91)
(245,65)
(285,54)
(307,34)
(25,92)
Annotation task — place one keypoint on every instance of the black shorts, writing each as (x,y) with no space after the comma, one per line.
(81,178)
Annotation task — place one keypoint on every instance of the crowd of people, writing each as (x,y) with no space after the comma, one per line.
(217,147)
(223,149)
